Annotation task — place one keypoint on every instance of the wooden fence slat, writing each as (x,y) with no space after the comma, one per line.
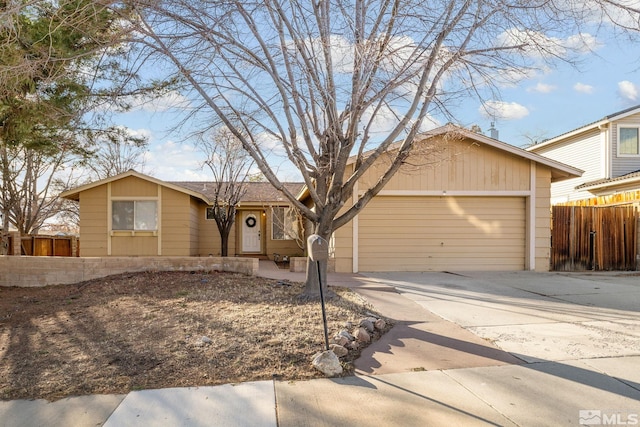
(594,238)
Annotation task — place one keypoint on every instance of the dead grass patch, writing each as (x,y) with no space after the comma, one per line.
(144,331)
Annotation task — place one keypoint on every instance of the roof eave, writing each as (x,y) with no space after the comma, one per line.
(74,194)
(611,184)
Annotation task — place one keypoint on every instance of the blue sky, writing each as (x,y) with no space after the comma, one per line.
(548,103)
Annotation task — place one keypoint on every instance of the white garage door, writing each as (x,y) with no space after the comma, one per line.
(442,234)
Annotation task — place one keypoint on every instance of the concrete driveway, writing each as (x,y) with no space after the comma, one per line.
(535,316)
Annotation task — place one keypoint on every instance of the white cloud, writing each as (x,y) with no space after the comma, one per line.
(583,43)
(172,161)
(503,110)
(542,88)
(537,45)
(628,90)
(583,88)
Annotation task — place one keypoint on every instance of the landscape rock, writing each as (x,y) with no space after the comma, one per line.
(339,350)
(380,324)
(206,340)
(353,345)
(367,324)
(328,363)
(341,340)
(347,335)
(362,335)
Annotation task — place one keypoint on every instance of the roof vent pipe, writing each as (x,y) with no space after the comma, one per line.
(493,131)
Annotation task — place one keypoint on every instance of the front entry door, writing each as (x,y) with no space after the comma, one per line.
(251,231)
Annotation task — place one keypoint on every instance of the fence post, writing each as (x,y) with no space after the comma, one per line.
(17,243)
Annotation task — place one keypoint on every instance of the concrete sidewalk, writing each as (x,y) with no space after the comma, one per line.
(426,371)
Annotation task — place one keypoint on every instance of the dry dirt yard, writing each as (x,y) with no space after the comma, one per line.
(145,330)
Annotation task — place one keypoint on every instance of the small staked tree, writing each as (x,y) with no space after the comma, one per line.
(329,85)
(230,166)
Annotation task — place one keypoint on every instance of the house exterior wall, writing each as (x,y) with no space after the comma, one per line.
(622,165)
(93,222)
(542,218)
(586,151)
(175,224)
(176,234)
(462,168)
(458,166)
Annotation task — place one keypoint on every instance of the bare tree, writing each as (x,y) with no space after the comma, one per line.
(231,166)
(118,150)
(313,83)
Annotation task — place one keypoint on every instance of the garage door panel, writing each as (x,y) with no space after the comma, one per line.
(442,233)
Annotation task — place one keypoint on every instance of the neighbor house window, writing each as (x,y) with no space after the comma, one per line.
(628,141)
(283,223)
(134,215)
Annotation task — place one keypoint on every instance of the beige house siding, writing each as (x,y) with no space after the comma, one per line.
(176,223)
(281,247)
(542,219)
(486,184)
(93,222)
(209,242)
(462,166)
(194,226)
(133,187)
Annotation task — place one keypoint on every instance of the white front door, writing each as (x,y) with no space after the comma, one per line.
(251,231)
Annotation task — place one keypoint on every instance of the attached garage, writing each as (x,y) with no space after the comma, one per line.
(460,203)
(442,233)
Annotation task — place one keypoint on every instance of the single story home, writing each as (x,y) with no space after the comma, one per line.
(133,214)
(462,201)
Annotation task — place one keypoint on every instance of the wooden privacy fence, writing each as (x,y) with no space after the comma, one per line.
(67,246)
(593,238)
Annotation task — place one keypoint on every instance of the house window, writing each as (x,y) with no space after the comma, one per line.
(209,214)
(134,215)
(283,223)
(628,141)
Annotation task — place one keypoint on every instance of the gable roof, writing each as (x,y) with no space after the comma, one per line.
(256,191)
(74,193)
(559,170)
(598,123)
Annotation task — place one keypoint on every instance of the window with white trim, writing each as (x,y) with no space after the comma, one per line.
(135,215)
(628,141)
(283,222)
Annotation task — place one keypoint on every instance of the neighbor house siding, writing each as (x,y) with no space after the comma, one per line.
(93,222)
(622,165)
(584,151)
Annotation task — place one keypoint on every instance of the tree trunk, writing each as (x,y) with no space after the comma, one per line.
(224,243)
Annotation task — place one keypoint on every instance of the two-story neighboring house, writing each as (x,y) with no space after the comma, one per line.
(608,151)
